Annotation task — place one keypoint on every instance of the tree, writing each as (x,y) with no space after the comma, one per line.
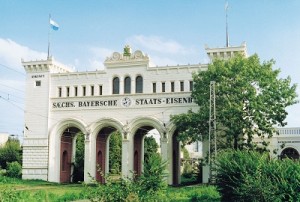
(115,153)
(79,158)
(10,152)
(150,148)
(250,99)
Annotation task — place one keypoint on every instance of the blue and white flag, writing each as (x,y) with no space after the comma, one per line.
(53,25)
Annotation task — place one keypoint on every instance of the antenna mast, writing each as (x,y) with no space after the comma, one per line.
(227,35)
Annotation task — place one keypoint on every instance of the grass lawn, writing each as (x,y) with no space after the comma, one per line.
(36,190)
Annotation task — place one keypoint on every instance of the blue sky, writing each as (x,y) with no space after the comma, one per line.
(170,31)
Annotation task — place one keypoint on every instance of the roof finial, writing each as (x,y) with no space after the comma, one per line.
(227,35)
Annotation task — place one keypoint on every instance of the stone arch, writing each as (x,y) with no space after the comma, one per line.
(150,121)
(137,127)
(99,145)
(105,122)
(55,136)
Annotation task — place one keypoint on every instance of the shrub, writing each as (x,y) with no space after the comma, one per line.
(14,169)
(253,176)
(150,186)
(187,170)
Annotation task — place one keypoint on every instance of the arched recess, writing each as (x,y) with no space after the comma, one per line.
(140,127)
(102,130)
(61,148)
(289,152)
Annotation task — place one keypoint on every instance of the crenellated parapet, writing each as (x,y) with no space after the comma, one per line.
(49,65)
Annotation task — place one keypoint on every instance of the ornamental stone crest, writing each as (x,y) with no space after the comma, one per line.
(126,58)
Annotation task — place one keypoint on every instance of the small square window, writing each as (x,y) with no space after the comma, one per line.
(38,83)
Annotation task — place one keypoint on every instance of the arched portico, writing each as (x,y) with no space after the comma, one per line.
(139,128)
(97,147)
(61,148)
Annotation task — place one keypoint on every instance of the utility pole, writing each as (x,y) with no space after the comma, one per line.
(212,138)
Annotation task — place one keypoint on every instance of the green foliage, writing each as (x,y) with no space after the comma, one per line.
(115,153)
(250,99)
(252,176)
(78,174)
(150,148)
(193,193)
(14,169)
(152,179)
(150,186)
(185,152)
(10,152)
(187,170)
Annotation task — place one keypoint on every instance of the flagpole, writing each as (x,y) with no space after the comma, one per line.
(49,30)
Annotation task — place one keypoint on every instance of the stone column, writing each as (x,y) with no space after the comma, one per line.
(164,154)
(87,159)
(125,158)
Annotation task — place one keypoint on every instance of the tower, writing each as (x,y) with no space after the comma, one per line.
(37,118)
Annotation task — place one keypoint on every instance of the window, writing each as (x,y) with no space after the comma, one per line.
(163,87)
(116,85)
(100,89)
(75,91)
(139,84)
(196,146)
(181,86)
(38,83)
(127,85)
(92,90)
(68,91)
(154,87)
(59,91)
(191,85)
(83,90)
(172,86)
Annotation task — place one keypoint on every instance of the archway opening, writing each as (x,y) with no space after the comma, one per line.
(115,155)
(108,153)
(71,155)
(290,153)
(146,144)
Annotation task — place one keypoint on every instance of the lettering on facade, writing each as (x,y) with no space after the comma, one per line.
(38,76)
(125,102)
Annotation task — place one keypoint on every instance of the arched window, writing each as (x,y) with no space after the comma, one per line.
(127,85)
(116,85)
(139,84)
(290,153)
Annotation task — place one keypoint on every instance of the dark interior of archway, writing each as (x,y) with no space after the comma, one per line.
(176,158)
(289,153)
(138,138)
(101,146)
(71,171)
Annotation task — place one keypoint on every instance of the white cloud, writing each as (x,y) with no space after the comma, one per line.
(158,44)
(11,54)
(163,51)
(98,56)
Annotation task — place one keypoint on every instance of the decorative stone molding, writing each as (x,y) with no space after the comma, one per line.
(127,58)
